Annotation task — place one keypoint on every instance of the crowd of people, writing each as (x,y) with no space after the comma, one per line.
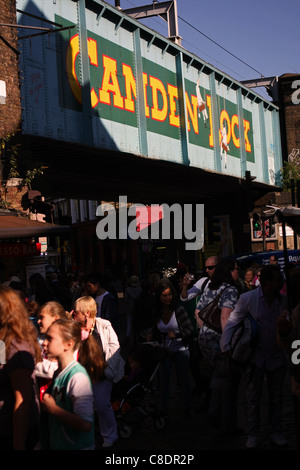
(65,353)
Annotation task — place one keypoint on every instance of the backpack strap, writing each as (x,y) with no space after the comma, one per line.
(204,284)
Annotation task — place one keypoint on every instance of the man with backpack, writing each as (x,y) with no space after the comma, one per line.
(199,286)
(188,297)
(265,304)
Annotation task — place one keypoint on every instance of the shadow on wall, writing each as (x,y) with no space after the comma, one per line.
(56,104)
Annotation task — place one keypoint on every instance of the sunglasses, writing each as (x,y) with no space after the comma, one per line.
(209,267)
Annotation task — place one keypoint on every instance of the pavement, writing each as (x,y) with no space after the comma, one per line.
(194,434)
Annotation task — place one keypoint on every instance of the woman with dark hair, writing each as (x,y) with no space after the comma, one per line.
(172,329)
(223,281)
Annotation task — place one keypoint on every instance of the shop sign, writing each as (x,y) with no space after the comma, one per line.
(8,250)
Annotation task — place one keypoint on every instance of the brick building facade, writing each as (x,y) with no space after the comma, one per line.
(10,96)
(10,110)
(289,114)
(288,93)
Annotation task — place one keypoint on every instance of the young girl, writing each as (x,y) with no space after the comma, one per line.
(45,369)
(48,313)
(69,399)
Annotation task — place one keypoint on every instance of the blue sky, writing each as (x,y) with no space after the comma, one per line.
(264,35)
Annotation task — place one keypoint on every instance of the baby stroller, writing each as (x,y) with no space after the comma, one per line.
(133,400)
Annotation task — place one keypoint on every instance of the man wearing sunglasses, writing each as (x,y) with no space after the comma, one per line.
(201,284)
(186,294)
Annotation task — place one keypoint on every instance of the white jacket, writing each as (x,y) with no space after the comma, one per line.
(111,348)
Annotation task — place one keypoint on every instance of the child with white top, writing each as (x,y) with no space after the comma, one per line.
(69,399)
(44,370)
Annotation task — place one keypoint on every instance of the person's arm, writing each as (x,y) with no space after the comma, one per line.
(286,328)
(201,303)
(112,340)
(225,314)
(188,294)
(184,290)
(198,319)
(67,417)
(21,383)
(235,316)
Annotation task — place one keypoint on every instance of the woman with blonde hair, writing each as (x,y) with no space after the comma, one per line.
(84,313)
(90,354)
(249,279)
(20,352)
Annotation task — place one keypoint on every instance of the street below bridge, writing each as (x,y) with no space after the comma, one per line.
(194,434)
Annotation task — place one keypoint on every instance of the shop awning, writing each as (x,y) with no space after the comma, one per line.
(13,226)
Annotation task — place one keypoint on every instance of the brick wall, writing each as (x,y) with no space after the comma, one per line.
(13,194)
(290,115)
(10,107)
(10,112)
